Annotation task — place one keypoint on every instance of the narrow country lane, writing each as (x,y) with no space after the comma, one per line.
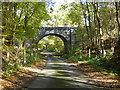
(60,74)
(67,44)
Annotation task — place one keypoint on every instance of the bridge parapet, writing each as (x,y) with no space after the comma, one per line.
(63,31)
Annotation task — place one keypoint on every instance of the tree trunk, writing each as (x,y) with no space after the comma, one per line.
(24,54)
(117,46)
(8,54)
(85,20)
(99,25)
(86,27)
(117,15)
(89,23)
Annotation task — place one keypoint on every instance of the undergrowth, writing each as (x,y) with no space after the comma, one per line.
(11,66)
(108,64)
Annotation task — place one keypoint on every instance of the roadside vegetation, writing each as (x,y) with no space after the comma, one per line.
(98,37)
(97,40)
(11,67)
(20,21)
(101,63)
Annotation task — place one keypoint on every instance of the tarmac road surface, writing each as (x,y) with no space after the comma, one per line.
(60,74)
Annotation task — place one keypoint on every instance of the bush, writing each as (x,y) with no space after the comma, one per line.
(74,58)
(66,56)
(9,68)
(32,59)
(12,66)
(51,50)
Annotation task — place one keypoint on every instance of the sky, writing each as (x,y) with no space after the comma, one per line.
(58,2)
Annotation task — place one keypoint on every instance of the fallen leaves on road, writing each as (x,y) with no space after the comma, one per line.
(22,77)
(97,76)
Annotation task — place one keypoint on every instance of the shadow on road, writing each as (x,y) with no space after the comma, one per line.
(59,74)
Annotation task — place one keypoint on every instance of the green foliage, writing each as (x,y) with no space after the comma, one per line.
(52,44)
(107,64)
(96,61)
(51,50)
(32,59)
(75,14)
(9,68)
(20,23)
(74,58)
(21,20)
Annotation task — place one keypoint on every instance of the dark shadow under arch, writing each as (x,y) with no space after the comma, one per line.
(61,37)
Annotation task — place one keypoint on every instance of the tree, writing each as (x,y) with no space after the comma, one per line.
(21,21)
(117,47)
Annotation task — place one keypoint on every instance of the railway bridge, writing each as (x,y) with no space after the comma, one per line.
(65,33)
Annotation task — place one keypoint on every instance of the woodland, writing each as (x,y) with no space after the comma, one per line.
(97,41)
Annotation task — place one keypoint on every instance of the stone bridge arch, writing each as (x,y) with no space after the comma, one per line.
(65,33)
(61,37)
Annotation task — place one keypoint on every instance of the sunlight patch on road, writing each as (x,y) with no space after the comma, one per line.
(67,71)
(63,63)
(33,70)
(48,72)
